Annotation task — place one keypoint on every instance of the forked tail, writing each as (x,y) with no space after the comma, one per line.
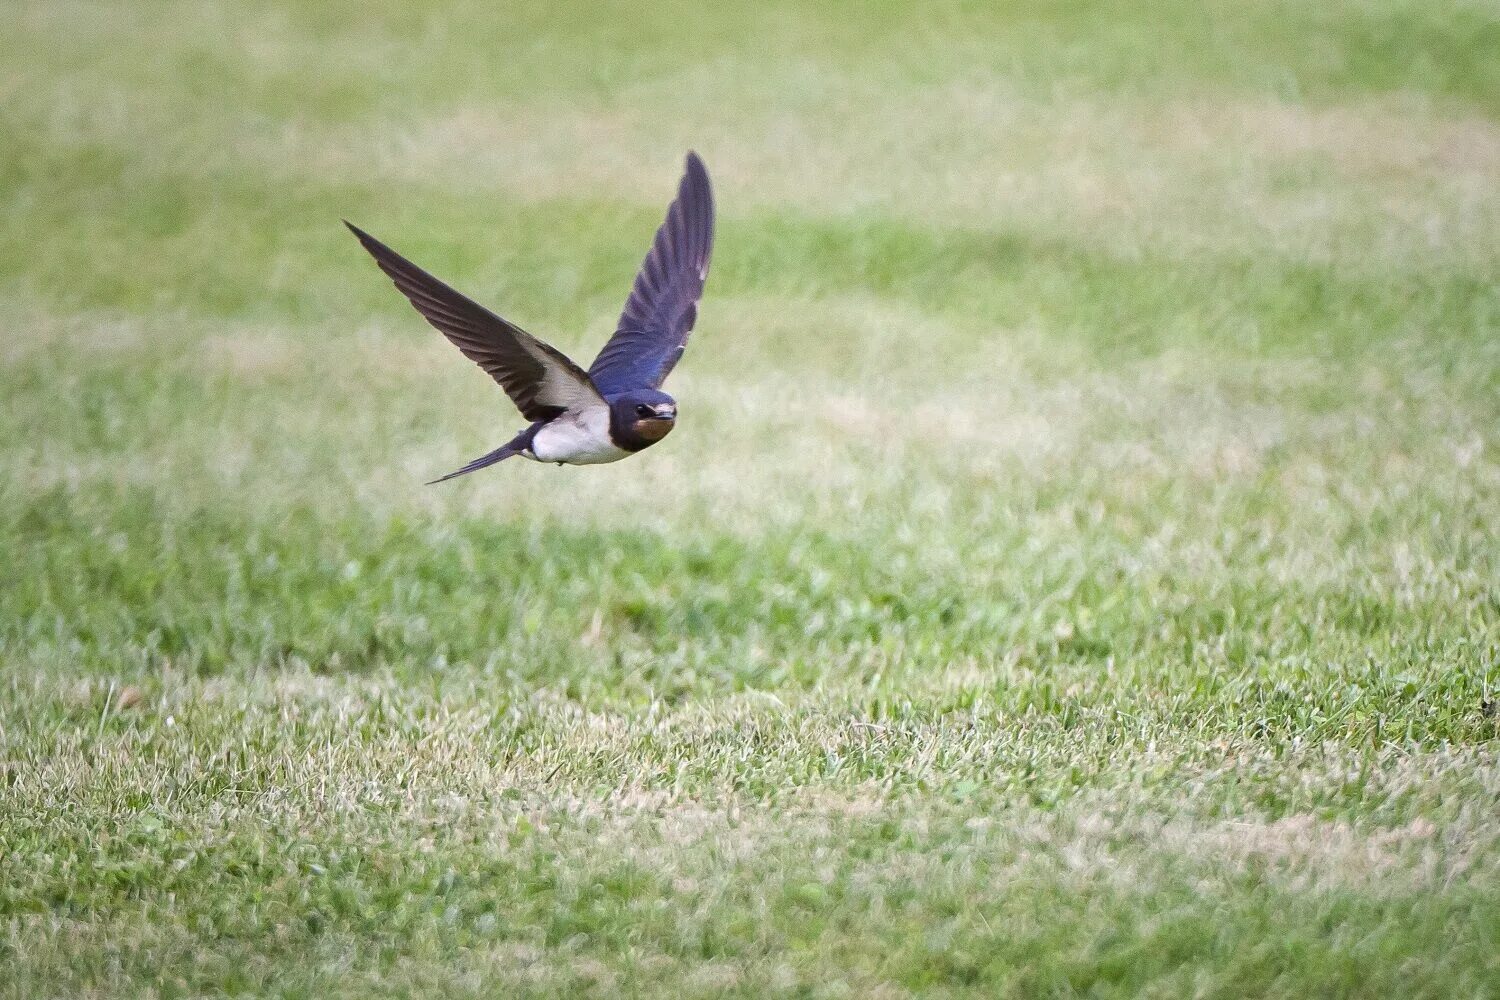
(514,446)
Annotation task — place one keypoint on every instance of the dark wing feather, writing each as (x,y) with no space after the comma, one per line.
(663,304)
(540,380)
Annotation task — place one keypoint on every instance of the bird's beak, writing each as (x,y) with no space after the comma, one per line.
(665,412)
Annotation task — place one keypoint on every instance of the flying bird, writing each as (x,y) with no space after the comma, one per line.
(616,408)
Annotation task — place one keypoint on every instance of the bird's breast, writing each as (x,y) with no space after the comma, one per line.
(578,438)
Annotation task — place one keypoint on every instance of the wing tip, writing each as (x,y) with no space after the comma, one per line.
(367,241)
(696,195)
(693,167)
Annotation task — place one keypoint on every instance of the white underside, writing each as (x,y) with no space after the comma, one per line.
(578,437)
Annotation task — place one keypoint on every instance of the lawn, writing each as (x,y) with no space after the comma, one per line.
(1075,570)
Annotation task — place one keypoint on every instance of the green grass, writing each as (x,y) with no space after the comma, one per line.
(1075,572)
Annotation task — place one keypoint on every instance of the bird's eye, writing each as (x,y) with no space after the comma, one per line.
(643,410)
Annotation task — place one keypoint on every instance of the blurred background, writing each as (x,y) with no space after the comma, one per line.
(1007,298)
(1128,364)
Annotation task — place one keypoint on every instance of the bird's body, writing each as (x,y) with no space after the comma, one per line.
(580,438)
(576,438)
(617,407)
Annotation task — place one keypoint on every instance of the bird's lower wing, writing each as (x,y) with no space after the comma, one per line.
(540,380)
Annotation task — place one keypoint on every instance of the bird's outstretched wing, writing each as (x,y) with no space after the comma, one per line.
(663,304)
(541,380)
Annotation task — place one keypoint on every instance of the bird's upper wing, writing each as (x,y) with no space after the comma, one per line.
(663,304)
(541,380)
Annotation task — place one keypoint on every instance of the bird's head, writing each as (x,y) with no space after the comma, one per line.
(643,416)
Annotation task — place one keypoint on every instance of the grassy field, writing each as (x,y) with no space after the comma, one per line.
(1075,572)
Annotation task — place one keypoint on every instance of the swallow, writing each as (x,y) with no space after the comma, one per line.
(614,409)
